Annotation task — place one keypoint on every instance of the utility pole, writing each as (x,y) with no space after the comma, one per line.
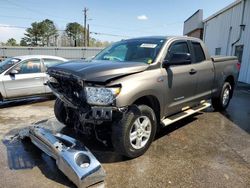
(88,36)
(85,24)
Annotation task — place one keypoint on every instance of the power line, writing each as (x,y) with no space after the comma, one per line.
(107,34)
(36,11)
(94,33)
(12,26)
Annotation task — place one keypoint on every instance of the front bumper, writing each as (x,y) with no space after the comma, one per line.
(72,158)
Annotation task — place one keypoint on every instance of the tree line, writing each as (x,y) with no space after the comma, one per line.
(45,33)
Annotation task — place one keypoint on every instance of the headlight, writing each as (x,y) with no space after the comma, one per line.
(101,95)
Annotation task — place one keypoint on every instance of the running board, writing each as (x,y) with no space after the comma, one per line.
(171,119)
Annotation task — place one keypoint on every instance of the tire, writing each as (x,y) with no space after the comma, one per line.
(132,124)
(60,111)
(221,103)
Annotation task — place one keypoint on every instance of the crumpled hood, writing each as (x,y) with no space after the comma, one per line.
(99,71)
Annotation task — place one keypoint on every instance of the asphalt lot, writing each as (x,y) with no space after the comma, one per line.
(209,149)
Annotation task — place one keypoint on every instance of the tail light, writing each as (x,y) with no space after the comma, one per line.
(238,66)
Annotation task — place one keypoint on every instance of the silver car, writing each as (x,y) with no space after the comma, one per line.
(24,76)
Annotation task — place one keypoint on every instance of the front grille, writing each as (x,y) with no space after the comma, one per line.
(71,88)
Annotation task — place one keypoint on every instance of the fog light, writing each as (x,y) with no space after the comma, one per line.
(82,160)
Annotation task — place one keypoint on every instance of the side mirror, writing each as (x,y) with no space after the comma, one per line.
(177,59)
(13,72)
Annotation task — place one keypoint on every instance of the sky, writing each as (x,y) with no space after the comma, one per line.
(112,19)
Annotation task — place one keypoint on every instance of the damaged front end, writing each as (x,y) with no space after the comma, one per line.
(69,89)
(89,102)
(88,105)
(72,158)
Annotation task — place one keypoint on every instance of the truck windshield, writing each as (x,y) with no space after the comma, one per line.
(135,50)
(6,64)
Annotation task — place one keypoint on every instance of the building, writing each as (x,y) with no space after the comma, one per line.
(226,32)
(193,26)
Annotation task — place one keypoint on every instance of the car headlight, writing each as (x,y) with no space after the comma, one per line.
(101,95)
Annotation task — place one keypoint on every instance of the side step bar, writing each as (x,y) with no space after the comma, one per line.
(72,158)
(171,119)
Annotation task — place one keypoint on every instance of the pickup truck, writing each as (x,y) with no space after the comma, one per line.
(134,87)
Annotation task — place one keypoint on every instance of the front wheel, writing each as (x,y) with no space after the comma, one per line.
(62,113)
(221,103)
(133,134)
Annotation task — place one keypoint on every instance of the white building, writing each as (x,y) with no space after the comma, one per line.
(227,32)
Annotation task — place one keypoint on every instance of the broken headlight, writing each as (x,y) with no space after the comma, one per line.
(101,95)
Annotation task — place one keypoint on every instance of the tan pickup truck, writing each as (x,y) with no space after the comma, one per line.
(135,86)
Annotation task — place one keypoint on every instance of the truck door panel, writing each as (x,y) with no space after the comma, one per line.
(180,83)
(205,72)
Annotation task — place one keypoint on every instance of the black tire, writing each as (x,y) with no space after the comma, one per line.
(121,131)
(60,111)
(217,102)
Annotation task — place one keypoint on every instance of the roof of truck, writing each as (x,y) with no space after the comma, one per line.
(165,38)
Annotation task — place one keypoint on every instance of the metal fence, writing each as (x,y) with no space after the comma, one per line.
(66,52)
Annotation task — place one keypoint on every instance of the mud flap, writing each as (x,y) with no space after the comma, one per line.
(72,158)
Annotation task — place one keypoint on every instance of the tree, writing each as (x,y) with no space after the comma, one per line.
(75,31)
(40,32)
(97,43)
(33,34)
(48,30)
(11,42)
(23,42)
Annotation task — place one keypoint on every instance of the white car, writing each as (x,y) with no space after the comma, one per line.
(24,76)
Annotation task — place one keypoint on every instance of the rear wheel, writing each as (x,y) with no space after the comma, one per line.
(221,103)
(133,134)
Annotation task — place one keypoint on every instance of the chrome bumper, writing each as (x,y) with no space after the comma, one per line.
(72,158)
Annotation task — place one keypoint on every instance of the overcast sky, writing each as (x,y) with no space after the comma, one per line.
(115,18)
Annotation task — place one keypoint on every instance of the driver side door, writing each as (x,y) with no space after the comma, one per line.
(180,81)
(25,80)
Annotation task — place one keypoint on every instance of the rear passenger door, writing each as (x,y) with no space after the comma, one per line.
(204,70)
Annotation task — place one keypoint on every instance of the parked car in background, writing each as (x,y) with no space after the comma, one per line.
(24,76)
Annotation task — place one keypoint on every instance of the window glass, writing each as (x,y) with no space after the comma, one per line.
(118,52)
(239,52)
(198,52)
(51,62)
(179,47)
(29,66)
(217,51)
(6,64)
(134,50)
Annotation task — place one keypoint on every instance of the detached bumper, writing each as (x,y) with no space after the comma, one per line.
(72,158)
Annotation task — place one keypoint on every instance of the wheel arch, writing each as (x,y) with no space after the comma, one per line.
(231,81)
(152,102)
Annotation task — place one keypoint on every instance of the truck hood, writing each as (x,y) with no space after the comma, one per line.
(98,71)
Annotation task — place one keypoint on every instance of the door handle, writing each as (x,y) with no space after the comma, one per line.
(192,71)
(37,78)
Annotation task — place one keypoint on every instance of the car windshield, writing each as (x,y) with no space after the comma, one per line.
(135,50)
(6,64)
